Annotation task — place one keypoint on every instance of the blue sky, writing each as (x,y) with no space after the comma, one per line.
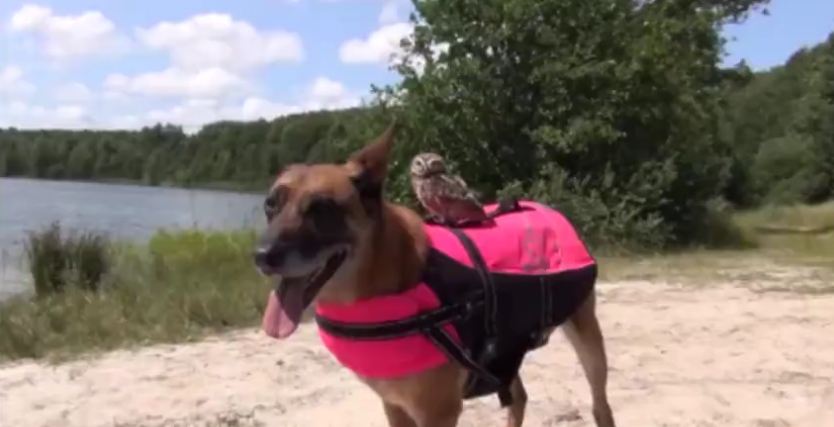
(120,64)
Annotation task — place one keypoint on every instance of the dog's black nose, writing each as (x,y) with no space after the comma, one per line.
(261,256)
(269,257)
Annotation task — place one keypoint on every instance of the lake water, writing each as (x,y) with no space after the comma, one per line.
(121,211)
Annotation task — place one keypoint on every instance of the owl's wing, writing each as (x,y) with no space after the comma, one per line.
(452,187)
(457,201)
(465,192)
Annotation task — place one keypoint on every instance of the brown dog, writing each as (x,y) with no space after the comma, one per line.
(332,239)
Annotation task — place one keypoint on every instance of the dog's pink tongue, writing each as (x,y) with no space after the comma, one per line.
(282,315)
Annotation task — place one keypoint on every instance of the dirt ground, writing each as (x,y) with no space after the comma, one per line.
(720,354)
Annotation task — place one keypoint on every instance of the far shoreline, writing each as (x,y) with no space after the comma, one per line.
(218,187)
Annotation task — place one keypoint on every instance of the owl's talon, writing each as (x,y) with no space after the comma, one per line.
(434,219)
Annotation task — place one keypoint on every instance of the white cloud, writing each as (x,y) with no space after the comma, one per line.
(380,46)
(325,93)
(13,84)
(326,89)
(22,115)
(210,55)
(68,36)
(198,107)
(175,82)
(218,40)
(126,121)
(192,114)
(383,47)
(255,108)
(73,93)
(390,12)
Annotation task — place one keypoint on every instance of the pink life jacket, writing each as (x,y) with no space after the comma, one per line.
(507,280)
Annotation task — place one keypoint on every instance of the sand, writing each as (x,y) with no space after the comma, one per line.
(717,355)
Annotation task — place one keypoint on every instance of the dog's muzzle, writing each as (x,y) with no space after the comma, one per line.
(292,260)
(269,258)
(299,280)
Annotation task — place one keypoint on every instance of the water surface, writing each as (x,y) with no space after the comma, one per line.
(121,211)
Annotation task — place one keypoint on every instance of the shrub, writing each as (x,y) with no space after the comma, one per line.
(784,169)
(616,224)
(57,261)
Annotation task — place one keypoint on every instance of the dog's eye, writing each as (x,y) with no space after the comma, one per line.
(273,203)
(270,207)
(321,207)
(324,214)
(270,203)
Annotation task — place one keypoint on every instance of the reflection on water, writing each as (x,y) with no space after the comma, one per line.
(121,211)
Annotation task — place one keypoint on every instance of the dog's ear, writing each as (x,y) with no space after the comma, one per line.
(372,160)
(370,165)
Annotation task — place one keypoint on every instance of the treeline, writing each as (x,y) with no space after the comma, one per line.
(781,126)
(619,113)
(231,154)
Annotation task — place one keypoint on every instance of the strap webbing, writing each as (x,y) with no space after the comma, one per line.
(398,328)
(443,341)
(486,281)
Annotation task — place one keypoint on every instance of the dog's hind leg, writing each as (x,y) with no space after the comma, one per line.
(583,331)
(515,412)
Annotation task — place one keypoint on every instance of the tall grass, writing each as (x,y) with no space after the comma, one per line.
(57,261)
(178,287)
(820,216)
(813,247)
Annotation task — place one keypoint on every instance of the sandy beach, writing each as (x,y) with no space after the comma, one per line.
(717,355)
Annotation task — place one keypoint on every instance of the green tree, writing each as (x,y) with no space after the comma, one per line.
(298,137)
(80,162)
(784,169)
(779,107)
(154,168)
(616,104)
(15,159)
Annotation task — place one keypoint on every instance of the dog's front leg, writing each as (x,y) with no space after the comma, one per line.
(437,414)
(444,415)
(397,417)
(433,398)
(515,413)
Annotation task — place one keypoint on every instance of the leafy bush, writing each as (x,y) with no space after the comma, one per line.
(614,225)
(785,170)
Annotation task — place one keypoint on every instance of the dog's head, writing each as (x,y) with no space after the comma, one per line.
(318,217)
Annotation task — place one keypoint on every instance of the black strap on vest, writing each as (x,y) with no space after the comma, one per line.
(490,299)
(429,324)
(392,329)
(486,281)
(442,339)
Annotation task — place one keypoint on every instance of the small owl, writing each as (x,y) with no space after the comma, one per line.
(446,197)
